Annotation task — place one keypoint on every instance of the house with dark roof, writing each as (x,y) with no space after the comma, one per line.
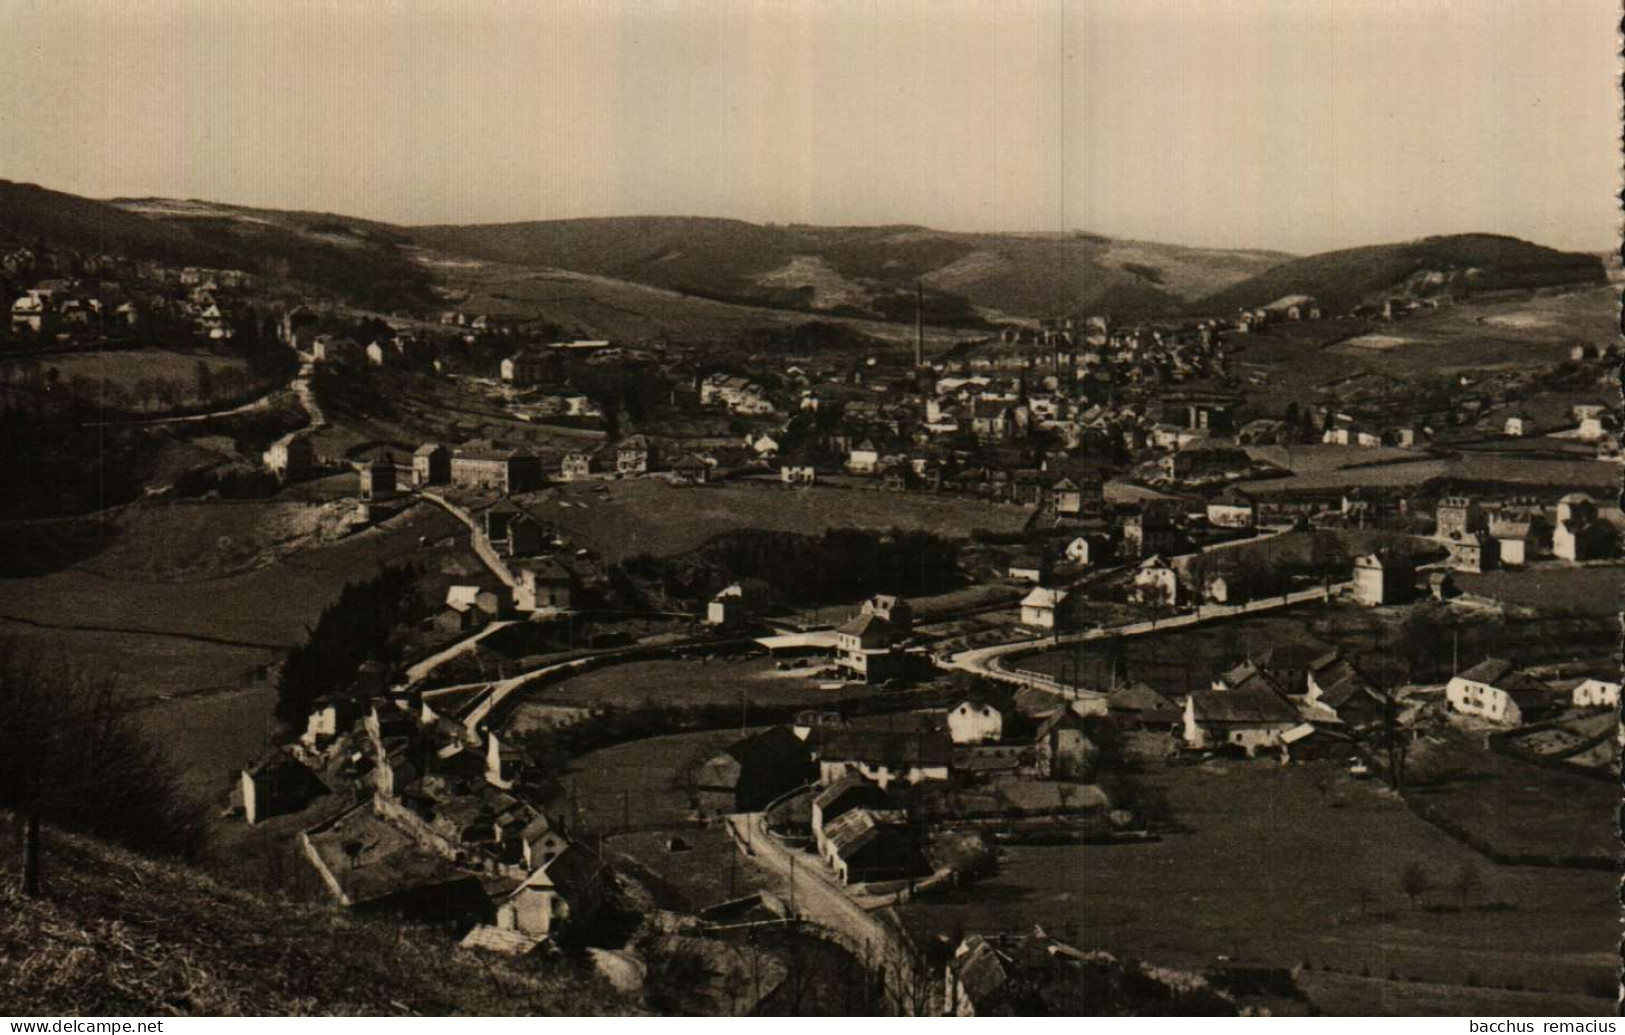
(750,773)
(544,585)
(1334,682)
(1497,691)
(867,845)
(1249,719)
(864,648)
(884,756)
(1140,703)
(1062,749)
(568,890)
(275,785)
(849,792)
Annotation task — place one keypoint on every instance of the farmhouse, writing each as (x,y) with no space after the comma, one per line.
(291,458)
(1151,531)
(568,890)
(377,479)
(275,785)
(1156,582)
(1062,749)
(544,585)
(1495,690)
(505,470)
(1249,719)
(754,771)
(579,465)
(1595,693)
(1140,704)
(635,455)
(1231,508)
(1205,459)
(1472,551)
(1030,568)
(865,846)
(691,470)
(1049,609)
(976,719)
(1458,515)
(884,756)
(839,798)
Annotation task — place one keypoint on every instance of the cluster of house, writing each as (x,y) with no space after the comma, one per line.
(1306,701)
(1515,532)
(856,772)
(448,828)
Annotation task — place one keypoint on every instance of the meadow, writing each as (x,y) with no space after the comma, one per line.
(1590,591)
(737,680)
(1303,865)
(650,515)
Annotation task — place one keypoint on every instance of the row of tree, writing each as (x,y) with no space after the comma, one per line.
(359,626)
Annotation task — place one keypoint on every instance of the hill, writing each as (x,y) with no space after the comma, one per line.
(364,262)
(866,271)
(1461,264)
(117,934)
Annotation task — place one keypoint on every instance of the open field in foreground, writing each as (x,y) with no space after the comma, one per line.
(649,515)
(637,785)
(1260,863)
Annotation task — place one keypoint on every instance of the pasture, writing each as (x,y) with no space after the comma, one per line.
(1511,805)
(1302,864)
(1590,591)
(649,515)
(739,681)
(638,785)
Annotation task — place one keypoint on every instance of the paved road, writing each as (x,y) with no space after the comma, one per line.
(817,897)
(989,661)
(423,669)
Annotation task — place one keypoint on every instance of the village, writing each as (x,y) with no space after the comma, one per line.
(709,644)
(997,712)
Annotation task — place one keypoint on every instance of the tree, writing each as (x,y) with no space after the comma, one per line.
(71,755)
(1468,883)
(1415,882)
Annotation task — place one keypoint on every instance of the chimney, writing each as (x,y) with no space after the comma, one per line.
(919,323)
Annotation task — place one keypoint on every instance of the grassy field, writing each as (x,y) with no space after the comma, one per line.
(707,872)
(637,784)
(211,736)
(673,683)
(147,665)
(1592,591)
(1184,659)
(267,608)
(130,365)
(1512,805)
(651,516)
(1259,863)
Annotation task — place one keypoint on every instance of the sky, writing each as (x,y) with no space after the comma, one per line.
(1297,125)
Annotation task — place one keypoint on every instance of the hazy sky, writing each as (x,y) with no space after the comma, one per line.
(1295,124)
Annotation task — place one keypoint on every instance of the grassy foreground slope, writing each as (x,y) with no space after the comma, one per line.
(118,934)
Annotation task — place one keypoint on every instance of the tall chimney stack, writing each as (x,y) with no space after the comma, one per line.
(919,323)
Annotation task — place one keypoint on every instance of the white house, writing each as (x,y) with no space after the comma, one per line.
(1231,508)
(864,458)
(1157,582)
(1248,719)
(1046,608)
(1596,693)
(1494,690)
(975,720)
(1077,551)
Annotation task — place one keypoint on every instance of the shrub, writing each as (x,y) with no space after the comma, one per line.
(71,754)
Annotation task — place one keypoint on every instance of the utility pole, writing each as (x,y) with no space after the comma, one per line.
(792,885)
